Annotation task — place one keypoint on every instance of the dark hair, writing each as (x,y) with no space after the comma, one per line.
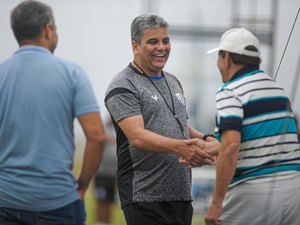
(243,59)
(145,21)
(28,19)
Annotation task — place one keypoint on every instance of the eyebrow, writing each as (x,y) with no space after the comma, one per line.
(155,39)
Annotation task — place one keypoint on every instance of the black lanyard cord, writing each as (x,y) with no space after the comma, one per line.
(172,109)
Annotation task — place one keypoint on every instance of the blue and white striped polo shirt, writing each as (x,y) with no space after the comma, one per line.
(254,104)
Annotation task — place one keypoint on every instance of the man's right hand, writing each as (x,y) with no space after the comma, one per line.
(193,155)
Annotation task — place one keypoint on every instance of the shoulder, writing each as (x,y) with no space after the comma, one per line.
(120,83)
(173,80)
(64,63)
(171,76)
(127,79)
(5,62)
(71,70)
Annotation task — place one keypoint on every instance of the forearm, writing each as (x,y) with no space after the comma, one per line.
(141,138)
(148,140)
(91,161)
(187,149)
(194,133)
(225,168)
(95,136)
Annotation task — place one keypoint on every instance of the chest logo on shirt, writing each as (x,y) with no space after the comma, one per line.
(180,98)
(154,97)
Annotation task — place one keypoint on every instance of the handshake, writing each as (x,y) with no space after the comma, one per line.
(197,152)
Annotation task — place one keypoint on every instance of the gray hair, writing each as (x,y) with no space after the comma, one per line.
(145,21)
(28,19)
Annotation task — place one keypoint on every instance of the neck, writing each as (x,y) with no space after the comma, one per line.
(35,43)
(138,68)
(234,69)
(145,71)
(26,43)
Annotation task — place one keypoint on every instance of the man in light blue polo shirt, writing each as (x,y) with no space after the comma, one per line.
(40,96)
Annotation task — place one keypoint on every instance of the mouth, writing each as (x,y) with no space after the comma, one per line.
(159,56)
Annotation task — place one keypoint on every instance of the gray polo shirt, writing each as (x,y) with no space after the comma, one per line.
(145,176)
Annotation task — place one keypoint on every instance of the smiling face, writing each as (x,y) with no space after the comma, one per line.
(152,53)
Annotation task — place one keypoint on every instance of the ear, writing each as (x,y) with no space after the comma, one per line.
(135,47)
(227,60)
(47,31)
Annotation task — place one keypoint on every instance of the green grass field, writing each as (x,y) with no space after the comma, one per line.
(117,215)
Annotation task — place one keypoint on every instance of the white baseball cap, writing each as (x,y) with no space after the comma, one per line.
(236,40)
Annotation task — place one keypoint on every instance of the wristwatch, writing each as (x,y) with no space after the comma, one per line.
(208,135)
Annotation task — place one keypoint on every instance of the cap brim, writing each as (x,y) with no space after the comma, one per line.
(212,50)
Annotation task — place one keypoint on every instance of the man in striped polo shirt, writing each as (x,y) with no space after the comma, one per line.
(258,178)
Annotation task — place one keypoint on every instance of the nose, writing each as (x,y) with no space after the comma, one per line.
(161,46)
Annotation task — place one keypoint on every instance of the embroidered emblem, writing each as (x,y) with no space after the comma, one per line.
(154,97)
(180,98)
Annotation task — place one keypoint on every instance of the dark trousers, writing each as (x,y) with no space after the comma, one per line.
(71,214)
(158,213)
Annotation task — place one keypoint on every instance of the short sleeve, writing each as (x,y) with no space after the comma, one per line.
(229,111)
(84,97)
(123,102)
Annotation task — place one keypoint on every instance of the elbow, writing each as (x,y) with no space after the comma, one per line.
(101,138)
(135,142)
(97,137)
(232,149)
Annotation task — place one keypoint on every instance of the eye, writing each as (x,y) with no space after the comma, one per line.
(152,42)
(166,41)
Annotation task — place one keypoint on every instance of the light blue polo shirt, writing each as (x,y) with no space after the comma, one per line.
(40,95)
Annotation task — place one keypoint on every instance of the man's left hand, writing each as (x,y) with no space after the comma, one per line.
(213,214)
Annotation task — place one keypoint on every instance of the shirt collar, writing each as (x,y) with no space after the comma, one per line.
(244,70)
(32,48)
(151,77)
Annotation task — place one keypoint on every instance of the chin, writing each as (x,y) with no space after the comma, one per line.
(159,65)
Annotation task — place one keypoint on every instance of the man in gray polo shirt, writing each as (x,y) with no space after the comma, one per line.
(148,108)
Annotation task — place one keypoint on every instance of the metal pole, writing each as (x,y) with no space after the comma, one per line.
(295,82)
(273,36)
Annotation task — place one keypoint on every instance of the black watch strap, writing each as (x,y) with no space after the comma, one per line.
(208,135)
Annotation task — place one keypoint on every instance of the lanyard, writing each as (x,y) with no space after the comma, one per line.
(172,109)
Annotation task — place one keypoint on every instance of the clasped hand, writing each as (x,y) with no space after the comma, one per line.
(199,152)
